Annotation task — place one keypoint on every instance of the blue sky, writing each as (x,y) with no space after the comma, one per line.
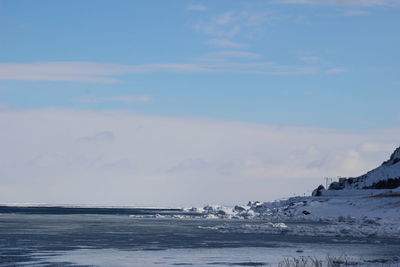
(177,103)
(315,63)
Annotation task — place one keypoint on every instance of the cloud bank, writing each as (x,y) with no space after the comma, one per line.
(122,158)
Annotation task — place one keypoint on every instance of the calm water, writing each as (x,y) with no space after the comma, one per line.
(59,237)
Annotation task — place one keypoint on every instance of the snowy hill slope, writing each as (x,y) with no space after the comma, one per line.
(386,176)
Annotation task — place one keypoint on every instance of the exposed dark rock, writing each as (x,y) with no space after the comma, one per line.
(306,212)
(385,184)
(253,203)
(221,212)
(238,208)
(318,191)
(336,186)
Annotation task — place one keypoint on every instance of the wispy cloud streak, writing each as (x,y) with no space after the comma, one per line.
(108,73)
(118,99)
(345,2)
(197,7)
(225,43)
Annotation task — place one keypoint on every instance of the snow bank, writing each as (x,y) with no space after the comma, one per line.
(376,216)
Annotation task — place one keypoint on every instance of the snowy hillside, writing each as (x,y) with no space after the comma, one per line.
(386,176)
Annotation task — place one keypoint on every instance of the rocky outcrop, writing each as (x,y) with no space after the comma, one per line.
(318,191)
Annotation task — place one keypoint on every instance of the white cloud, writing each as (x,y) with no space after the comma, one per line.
(197,7)
(123,158)
(227,31)
(89,71)
(232,24)
(105,73)
(120,99)
(97,138)
(64,71)
(345,2)
(225,43)
(373,147)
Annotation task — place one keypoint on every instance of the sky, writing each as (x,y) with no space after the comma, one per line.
(177,103)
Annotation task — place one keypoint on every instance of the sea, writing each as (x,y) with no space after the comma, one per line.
(87,236)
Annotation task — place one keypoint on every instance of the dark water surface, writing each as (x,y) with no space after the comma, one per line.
(60,237)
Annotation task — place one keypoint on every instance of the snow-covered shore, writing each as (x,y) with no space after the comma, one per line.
(364,206)
(344,216)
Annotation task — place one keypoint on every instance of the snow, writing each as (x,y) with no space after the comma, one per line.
(389,169)
(358,216)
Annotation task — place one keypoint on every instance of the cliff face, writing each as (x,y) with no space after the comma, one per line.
(386,176)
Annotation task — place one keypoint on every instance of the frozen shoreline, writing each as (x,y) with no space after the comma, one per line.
(364,206)
(341,216)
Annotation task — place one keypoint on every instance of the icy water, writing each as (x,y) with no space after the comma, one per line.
(110,237)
